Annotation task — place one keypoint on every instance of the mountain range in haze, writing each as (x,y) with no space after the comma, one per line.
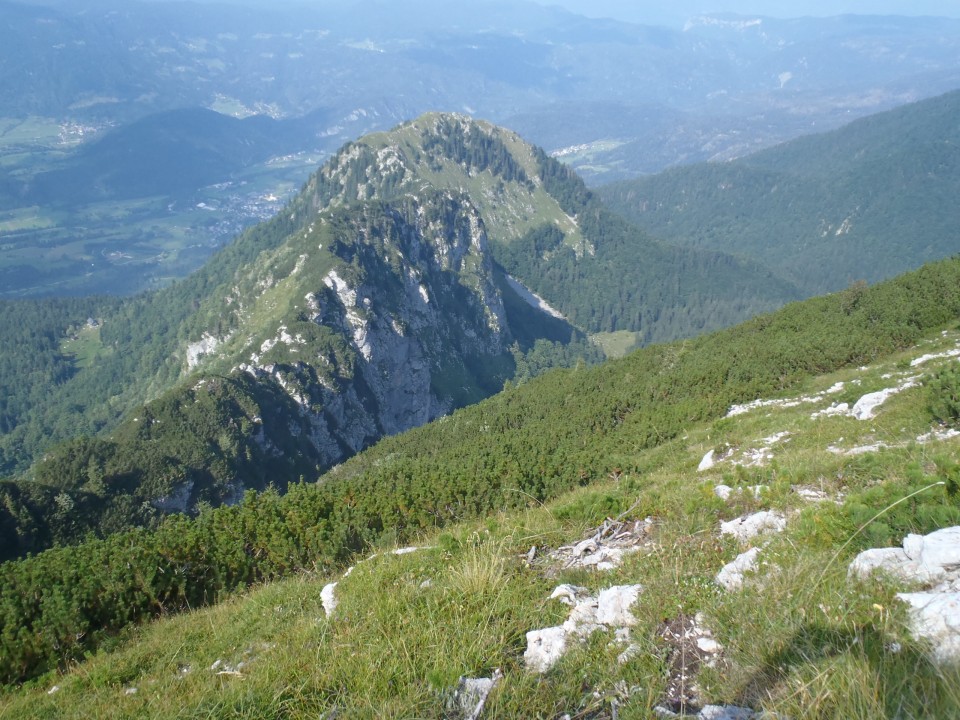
(116,180)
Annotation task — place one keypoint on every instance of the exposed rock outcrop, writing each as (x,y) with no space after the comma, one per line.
(747,528)
(467,700)
(405,326)
(932,561)
(732,575)
(610,609)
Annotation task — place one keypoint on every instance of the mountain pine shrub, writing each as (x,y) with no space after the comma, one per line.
(944,389)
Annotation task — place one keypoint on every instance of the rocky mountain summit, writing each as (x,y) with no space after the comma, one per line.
(371,305)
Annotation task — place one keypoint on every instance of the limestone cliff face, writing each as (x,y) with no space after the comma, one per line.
(388,318)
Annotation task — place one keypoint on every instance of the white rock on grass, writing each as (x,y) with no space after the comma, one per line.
(747,528)
(926,358)
(709,645)
(412,549)
(836,409)
(713,712)
(811,494)
(938,435)
(750,458)
(755,457)
(328,598)
(932,560)
(787,403)
(591,554)
(471,695)
(935,616)
(569,594)
(935,435)
(582,620)
(607,610)
(613,606)
(707,462)
(723,492)
(939,551)
(924,558)
(731,576)
(726,712)
(544,648)
(890,561)
(859,449)
(866,407)
(607,558)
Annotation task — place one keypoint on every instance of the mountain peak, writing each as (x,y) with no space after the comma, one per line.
(498,170)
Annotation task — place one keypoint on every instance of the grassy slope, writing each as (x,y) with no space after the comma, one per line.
(806,642)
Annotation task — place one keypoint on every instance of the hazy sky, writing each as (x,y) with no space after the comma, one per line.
(677,11)
(647,10)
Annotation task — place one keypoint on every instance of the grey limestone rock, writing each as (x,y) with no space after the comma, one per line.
(928,560)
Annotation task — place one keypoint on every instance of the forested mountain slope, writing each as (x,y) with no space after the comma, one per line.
(865,202)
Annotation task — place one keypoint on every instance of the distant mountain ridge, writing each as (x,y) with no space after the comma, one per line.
(865,202)
(612,99)
(170,153)
(730,85)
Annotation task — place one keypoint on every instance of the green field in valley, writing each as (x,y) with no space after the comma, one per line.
(121,246)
